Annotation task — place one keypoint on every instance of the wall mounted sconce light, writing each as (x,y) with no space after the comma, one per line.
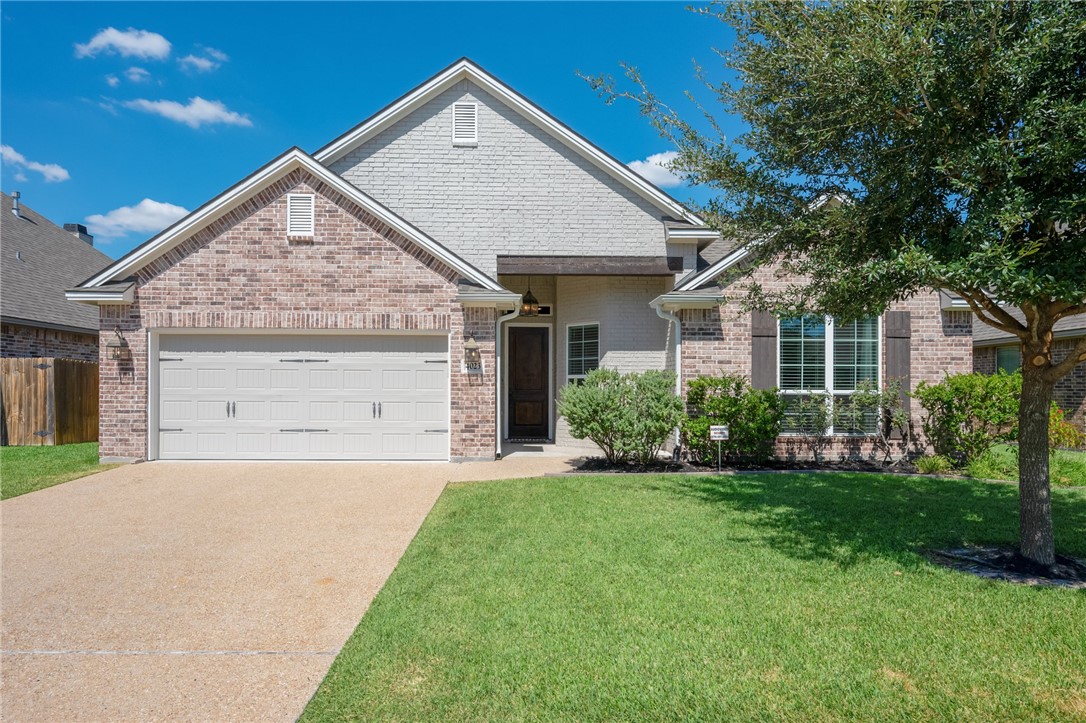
(118,347)
(473,359)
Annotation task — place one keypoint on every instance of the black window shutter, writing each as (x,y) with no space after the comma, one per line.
(898,327)
(763,350)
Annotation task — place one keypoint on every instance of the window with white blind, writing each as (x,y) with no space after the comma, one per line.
(300,215)
(465,124)
(582,350)
(819,357)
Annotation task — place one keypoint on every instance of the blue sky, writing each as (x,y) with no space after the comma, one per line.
(119,115)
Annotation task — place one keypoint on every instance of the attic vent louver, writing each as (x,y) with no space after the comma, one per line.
(465,124)
(300,215)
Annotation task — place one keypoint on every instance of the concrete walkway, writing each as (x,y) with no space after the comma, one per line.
(200,591)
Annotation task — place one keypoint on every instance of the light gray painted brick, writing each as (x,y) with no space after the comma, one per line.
(519,191)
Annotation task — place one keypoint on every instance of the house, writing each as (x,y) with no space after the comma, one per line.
(422,286)
(994,350)
(40,261)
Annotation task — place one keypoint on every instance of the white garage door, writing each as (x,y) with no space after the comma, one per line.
(227,396)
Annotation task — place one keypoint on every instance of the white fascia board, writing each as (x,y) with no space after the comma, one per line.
(98,295)
(500,300)
(716,269)
(242,191)
(692,234)
(466,70)
(671,301)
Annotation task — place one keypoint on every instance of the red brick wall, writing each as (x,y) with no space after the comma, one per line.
(17,340)
(241,272)
(719,340)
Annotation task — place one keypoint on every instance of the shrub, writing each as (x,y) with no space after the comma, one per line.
(1061,433)
(936,464)
(878,412)
(810,416)
(968,413)
(753,417)
(626,415)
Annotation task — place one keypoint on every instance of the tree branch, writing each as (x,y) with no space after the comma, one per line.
(1002,321)
(1077,356)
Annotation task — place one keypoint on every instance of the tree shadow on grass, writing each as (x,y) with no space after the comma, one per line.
(847,518)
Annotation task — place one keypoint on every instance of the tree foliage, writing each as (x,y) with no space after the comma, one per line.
(895,147)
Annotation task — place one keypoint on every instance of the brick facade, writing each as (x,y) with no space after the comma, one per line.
(17,340)
(718,340)
(1070,392)
(356,274)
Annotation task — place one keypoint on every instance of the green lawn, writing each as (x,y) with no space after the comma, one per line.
(27,469)
(1066,468)
(752,597)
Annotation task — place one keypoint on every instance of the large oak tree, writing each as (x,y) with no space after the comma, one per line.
(957,133)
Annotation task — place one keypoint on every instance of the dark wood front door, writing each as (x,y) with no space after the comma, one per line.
(529,388)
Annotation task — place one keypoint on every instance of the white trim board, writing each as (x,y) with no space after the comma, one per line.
(465,69)
(291,160)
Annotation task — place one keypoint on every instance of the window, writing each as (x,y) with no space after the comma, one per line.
(1009,359)
(465,124)
(818,357)
(582,350)
(300,215)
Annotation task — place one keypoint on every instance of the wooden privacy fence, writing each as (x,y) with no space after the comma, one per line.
(48,401)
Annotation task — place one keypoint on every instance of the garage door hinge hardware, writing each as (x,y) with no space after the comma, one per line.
(171,358)
(162,429)
(303,430)
(435,361)
(436,431)
(305,361)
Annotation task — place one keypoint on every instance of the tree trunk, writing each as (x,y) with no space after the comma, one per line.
(1038,544)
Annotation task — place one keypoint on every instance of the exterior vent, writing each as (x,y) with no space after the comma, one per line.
(300,215)
(465,124)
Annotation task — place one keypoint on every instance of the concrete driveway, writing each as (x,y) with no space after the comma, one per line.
(198,591)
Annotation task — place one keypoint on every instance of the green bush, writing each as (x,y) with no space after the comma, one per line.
(877,412)
(936,464)
(968,413)
(1061,433)
(753,417)
(629,416)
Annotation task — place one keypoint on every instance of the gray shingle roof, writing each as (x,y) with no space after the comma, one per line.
(38,262)
(985,335)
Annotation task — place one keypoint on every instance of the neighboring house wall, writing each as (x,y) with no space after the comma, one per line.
(17,340)
(518,191)
(1070,392)
(719,341)
(240,272)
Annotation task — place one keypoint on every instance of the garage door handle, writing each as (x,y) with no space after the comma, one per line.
(436,431)
(373,412)
(378,410)
(234,409)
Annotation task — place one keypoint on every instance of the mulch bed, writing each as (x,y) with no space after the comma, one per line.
(1003,563)
(601,465)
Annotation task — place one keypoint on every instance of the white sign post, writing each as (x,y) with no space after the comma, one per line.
(719,433)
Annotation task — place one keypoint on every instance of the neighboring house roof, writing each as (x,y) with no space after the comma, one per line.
(93,288)
(985,335)
(41,260)
(465,69)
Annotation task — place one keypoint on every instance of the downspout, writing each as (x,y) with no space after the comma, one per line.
(668,316)
(498,379)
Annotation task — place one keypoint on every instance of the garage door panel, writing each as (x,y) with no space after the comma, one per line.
(284,391)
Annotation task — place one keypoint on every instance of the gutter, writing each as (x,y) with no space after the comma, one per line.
(498,379)
(669,316)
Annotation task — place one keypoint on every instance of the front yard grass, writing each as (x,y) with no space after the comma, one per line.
(747,597)
(26,469)
(1066,468)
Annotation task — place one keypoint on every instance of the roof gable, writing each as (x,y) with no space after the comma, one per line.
(40,261)
(465,69)
(232,198)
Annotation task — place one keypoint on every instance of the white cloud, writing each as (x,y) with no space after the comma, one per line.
(21,177)
(145,217)
(654,169)
(128,43)
(194,62)
(198,112)
(137,75)
(215,54)
(50,171)
(113,81)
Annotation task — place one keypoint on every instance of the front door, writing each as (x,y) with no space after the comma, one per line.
(529,388)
